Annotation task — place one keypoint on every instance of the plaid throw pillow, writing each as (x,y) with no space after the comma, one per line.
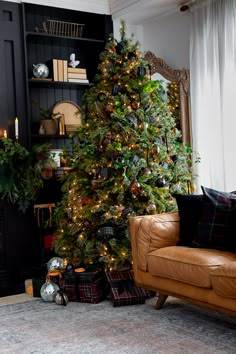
(215,225)
(190,207)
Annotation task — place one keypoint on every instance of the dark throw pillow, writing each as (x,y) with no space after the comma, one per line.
(214,226)
(190,208)
(231,235)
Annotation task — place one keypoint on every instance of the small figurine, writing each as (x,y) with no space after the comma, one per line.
(73,63)
(42,130)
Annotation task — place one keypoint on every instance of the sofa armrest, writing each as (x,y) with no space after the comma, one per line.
(150,232)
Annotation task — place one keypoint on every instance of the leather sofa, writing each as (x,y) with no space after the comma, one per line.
(205,277)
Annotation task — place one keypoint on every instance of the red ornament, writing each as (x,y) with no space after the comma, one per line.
(85,200)
(116,77)
(135,104)
(109,108)
(134,187)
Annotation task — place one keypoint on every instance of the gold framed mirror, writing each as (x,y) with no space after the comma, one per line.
(182,78)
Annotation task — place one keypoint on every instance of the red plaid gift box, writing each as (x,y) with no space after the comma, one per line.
(123,291)
(71,291)
(91,292)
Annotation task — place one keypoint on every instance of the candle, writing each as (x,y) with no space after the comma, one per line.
(16,128)
(5,134)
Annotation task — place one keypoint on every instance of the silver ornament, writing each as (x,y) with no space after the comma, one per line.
(61,298)
(40,70)
(55,263)
(49,291)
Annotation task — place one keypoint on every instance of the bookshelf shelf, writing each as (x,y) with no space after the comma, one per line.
(54,36)
(49,136)
(40,82)
(54,50)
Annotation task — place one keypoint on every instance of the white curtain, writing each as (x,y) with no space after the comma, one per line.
(213,92)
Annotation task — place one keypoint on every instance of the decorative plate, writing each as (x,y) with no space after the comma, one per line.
(72,114)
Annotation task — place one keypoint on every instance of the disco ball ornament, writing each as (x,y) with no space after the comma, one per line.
(40,70)
(49,291)
(55,263)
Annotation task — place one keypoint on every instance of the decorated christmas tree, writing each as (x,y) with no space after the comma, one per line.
(128,160)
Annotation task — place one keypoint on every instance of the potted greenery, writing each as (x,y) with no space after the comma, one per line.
(20,181)
(49,120)
(45,164)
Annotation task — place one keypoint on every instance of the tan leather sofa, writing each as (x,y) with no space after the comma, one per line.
(205,277)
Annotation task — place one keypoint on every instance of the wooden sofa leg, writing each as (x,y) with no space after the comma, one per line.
(160,301)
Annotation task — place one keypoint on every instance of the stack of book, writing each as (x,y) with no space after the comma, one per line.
(77,75)
(61,72)
(60,69)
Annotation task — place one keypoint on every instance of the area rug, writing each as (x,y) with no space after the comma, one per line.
(38,327)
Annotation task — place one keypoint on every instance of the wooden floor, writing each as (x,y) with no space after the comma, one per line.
(15,299)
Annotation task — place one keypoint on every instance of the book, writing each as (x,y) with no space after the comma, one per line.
(77,76)
(76,70)
(82,81)
(55,69)
(65,74)
(60,70)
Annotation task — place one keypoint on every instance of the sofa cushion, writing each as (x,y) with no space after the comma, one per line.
(214,226)
(224,280)
(190,209)
(186,264)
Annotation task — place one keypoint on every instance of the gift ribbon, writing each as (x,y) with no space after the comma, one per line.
(53,273)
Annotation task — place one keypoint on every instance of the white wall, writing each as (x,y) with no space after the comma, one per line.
(96,6)
(136,30)
(168,38)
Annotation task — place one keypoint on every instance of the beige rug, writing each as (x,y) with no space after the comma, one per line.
(33,326)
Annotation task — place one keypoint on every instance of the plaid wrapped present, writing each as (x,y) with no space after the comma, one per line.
(91,292)
(123,290)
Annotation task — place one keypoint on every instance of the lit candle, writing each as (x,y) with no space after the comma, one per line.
(16,128)
(5,134)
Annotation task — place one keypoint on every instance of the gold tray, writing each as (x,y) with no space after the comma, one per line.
(72,114)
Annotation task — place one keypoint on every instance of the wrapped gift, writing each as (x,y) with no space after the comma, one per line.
(85,291)
(93,292)
(91,273)
(123,290)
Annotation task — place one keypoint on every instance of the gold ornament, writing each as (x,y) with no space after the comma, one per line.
(151,208)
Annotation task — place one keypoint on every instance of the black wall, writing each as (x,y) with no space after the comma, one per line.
(12,71)
(20,245)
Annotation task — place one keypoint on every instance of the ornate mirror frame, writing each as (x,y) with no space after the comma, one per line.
(158,65)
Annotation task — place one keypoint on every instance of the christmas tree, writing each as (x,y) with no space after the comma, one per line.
(128,160)
(173,101)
